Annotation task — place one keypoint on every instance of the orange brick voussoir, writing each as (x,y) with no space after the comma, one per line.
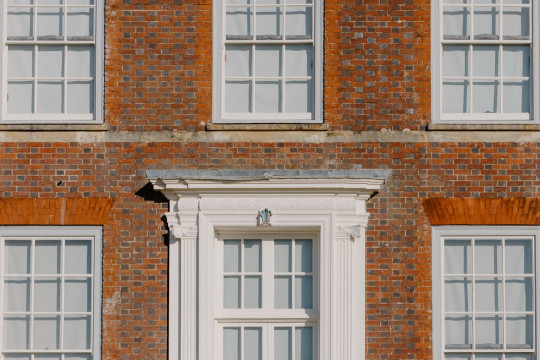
(64,211)
(477,211)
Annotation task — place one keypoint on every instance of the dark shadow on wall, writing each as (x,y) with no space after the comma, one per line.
(148,193)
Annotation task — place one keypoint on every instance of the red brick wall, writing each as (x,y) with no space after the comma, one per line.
(158,72)
(398,266)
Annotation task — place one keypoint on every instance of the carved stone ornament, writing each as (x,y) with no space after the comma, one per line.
(354,232)
(248,205)
(179,231)
(183,231)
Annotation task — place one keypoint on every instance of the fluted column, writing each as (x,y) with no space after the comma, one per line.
(183,281)
(348,292)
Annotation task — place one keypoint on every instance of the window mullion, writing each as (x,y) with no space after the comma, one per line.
(503,243)
(32,291)
(473,305)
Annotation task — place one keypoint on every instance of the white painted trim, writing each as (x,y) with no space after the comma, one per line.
(475,118)
(94,232)
(99,91)
(334,209)
(218,54)
(438,232)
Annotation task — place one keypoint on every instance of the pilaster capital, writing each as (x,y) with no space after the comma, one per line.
(180,231)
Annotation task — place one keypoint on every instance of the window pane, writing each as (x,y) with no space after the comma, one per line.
(298,60)
(517,96)
(282,292)
(516,22)
(268,60)
(81,61)
(231,249)
(78,357)
(16,332)
(489,332)
(303,255)
(231,344)
(299,22)
(458,294)
(17,257)
(489,356)
(238,96)
(303,343)
(47,295)
(231,292)
(519,357)
(77,332)
(269,22)
(238,60)
(304,292)
(488,256)
(282,255)
(456,22)
(78,253)
(77,294)
(516,61)
(458,332)
(20,61)
(50,97)
(48,357)
(519,332)
(299,96)
(282,343)
(252,292)
(50,61)
(518,256)
(253,344)
(486,97)
(17,357)
(80,2)
(455,60)
(489,294)
(80,97)
(485,61)
(47,257)
(50,2)
(20,97)
(239,21)
(17,295)
(458,357)
(50,23)
(268,96)
(20,2)
(80,22)
(455,96)
(457,256)
(519,294)
(486,23)
(252,255)
(46,332)
(20,22)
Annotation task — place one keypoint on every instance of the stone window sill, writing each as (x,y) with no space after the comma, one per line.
(483,127)
(267,127)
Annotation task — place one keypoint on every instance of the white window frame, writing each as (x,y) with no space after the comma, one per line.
(439,233)
(203,203)
(267,317)
(480,118)
(93,233)
(218,68)
(60,118)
